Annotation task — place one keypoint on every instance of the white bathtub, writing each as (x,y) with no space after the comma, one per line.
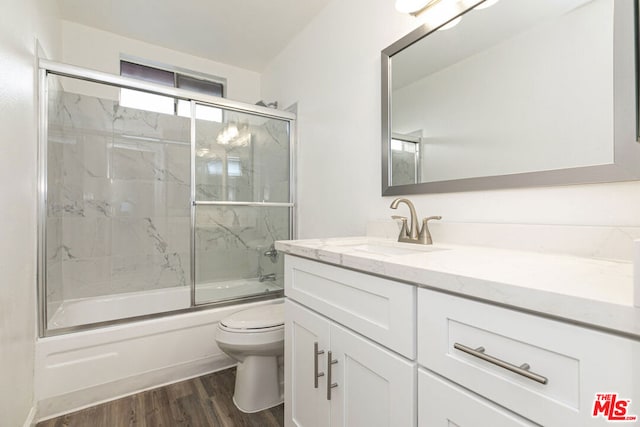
(84,311)
(80,369)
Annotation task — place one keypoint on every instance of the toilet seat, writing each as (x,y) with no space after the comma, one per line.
(250,330)
(264,318)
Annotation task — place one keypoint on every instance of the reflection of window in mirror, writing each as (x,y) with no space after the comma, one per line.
(234,167)
(405,159)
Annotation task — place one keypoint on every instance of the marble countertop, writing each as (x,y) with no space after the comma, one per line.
(591,292)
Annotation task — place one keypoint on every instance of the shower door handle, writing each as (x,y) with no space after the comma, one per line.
(316,374)
(330,385)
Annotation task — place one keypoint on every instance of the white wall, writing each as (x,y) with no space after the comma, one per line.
(332,69)
(21,21)
(100,50)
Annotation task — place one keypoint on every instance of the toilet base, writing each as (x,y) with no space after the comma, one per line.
(257,384)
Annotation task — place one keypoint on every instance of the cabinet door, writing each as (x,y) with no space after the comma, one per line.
(374,386)
(305,404)
(444,404)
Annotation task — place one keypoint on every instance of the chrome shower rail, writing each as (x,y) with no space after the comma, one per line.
(66,70)
(47,67)
(252,204)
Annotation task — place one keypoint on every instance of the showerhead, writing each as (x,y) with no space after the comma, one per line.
(273,104)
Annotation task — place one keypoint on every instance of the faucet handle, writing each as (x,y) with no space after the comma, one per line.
(425,235)
(404,230)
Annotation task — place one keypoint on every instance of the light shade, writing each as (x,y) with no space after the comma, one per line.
(411,6)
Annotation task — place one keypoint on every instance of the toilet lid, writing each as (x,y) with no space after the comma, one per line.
(265,316)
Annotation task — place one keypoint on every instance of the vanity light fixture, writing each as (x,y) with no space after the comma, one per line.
(416,7)
(440,11)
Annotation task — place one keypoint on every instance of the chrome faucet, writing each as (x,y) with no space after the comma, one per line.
(271,277)
(272,253)
(411,233)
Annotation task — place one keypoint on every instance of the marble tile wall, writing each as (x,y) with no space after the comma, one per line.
(403,170)
(54,248)
(272,169)
(118,211)
(119,199)
(257,162)
(231,241)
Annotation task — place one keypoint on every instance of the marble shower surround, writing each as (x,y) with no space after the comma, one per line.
(231,241)
(263,160)
(403,170)
(118,212)
(121,204)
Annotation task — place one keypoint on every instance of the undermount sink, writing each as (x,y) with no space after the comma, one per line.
(391,249)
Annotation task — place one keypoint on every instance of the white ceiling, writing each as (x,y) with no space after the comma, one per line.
(244,33)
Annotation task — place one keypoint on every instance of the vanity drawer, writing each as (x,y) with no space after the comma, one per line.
(380,309)
(574,362)
(444,404)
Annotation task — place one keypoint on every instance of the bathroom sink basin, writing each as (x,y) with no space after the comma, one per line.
(390,249)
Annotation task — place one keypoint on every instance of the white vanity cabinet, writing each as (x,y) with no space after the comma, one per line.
(411,356)
(373,386)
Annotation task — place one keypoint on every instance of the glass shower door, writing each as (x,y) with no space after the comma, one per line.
(147,210)
(117,207)
(242,204)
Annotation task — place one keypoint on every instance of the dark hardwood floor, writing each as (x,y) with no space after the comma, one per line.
(199,402)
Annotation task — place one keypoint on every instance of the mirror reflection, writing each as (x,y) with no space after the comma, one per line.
(405,159)
(519,87)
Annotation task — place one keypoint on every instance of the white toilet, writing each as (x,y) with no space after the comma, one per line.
(255,338)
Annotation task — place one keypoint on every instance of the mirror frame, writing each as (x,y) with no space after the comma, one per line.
(626,162)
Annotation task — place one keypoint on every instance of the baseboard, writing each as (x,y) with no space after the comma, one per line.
(59,405)
(31,418)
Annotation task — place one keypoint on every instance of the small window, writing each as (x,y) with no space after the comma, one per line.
(198,85)
(165,104)
(148,74)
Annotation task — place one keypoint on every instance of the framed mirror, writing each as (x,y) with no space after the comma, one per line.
(523,93)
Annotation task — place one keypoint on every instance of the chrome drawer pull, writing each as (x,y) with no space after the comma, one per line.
(316,374)
(520,370)
(330,385)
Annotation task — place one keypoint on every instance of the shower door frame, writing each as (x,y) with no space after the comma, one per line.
(47,67)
